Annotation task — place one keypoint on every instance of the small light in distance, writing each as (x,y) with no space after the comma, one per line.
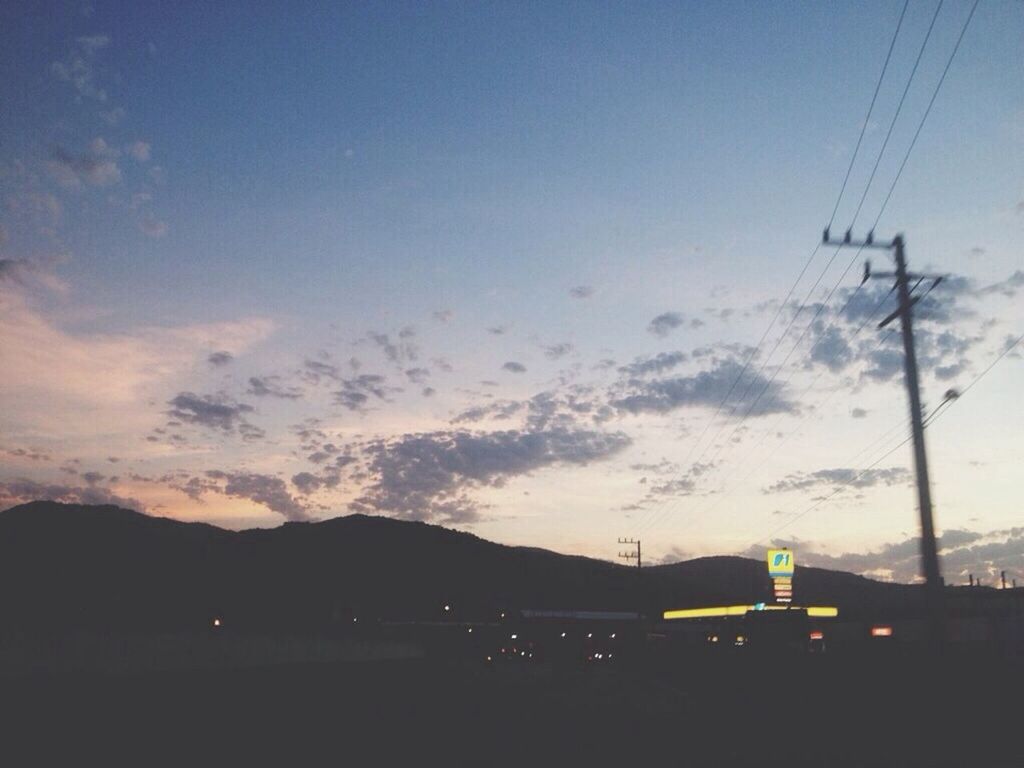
(216,622)
(515,636)
(470,630)
(817,635)
(590,635)
(447,608)
(563,634)
(881,631)
(612,636)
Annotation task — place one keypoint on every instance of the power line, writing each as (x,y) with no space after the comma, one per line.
(871,107)
(861,202)
(899,108)
(782,305)
(927,111)
(932,417)
(868,319)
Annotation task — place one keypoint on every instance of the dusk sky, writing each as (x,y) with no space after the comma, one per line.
(498,267)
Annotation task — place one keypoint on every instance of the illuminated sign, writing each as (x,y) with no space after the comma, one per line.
(822,611)
(780,563)
(881,631)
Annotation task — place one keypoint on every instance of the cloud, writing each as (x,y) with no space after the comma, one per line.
(78,69)
(25,453)
(497,330)
(840,477)
(832,350)
(426,476)
(513,367)
(215,412)
(665,323)
(306,482)
(269,386)
(356,392)
(581,292)
(220,358)
(267,490)
(26,274)
(665,361)
(1008,287)
(962,552)
(23,490)
(65,384)
(671,556)
(706,389)
(443,315)
(140,150)
(417,375)
(556,351)
(400,351)
(316,371)
(96,167)
(500,410)
(858,413)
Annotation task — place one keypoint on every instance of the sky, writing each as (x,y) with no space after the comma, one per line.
(533,271)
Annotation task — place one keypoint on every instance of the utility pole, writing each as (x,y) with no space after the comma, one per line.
(929,550)
(631,555)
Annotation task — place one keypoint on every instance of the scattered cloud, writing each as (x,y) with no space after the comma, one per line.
(78,67)
(399,351)
(513,367)
(841,477)
(356,392)
(270,386)
(428,476)
(267,490)
(665,323)
(220,358)
(706,389)
(556,351)
(962,552)
(664,361)
(215,412)
(96,167)
(23,490)
(140,150)
(581,292)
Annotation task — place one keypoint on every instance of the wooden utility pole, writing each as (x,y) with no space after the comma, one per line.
(904,311)
(631,555)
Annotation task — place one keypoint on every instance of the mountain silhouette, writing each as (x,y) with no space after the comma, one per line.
(76,567)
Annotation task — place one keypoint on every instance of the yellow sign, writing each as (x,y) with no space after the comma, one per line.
(780,562)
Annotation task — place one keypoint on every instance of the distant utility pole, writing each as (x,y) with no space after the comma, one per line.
(929,551)
(631,555)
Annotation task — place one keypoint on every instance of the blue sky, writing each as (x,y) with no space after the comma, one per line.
(374,210)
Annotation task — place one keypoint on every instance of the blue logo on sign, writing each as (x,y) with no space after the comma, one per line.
(780,558)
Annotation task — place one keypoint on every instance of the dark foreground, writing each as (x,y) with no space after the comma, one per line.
(708,711)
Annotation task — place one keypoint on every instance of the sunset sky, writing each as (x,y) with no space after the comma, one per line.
(498,267)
